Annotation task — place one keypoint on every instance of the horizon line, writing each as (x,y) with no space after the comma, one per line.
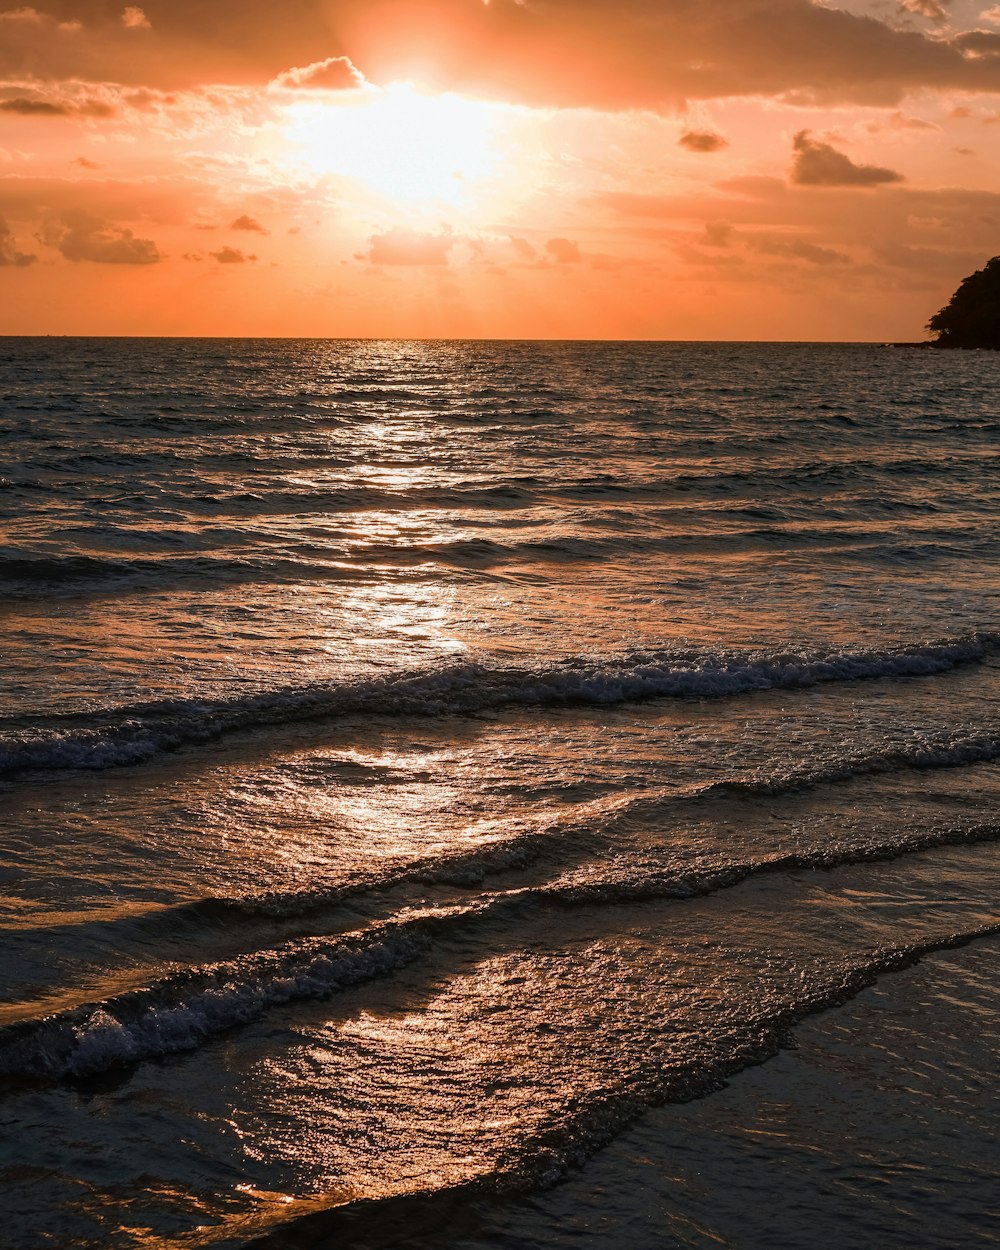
(416,338)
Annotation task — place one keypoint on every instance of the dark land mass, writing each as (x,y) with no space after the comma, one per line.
(971,318)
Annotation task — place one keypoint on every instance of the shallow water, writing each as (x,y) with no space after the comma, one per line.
(419,760)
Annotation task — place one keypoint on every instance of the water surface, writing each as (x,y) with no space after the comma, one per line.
(420,760)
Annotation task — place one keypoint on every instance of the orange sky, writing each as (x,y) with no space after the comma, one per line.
(736,169)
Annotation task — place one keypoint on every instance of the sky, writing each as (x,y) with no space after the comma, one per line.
(675,169)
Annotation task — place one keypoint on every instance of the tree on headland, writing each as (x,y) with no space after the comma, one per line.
(971,318)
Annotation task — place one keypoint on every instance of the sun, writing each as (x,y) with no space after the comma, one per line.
(412,147)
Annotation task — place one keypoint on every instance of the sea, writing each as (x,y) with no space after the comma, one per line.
(498,795)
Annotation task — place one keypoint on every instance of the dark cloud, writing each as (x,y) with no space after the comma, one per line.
(605,53)
(702,141)
(820,165)
(9,255)
(409,247)
(38,106)
(246,222)
(27,107)
(78,236)
(981,43)
(86,163)
(563,251)
(633,53)
(180,43)
(232,256)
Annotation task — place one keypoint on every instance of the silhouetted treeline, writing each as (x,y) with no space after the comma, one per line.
(971,318)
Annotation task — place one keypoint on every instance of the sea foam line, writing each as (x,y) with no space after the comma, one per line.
(133,734)
(177,1012)
(180,1011)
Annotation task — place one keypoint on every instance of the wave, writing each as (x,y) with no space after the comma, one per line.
(555,1149)
(25,568)
(179,1011)
(595,538)
(197,556)
(593,833)
(71,573)
(210,483)
(920,756)
(589,830)
(133,734)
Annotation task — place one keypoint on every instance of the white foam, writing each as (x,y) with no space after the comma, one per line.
(132,735)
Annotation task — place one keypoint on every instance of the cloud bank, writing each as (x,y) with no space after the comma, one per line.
(613,54)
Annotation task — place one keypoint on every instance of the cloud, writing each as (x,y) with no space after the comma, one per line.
(925,8)
(820,165)
(614,54)
(232,256)
(702,141)
(95,108)
(621,54)
(170,202)
(717,234)
(563,251)
(192,43)
(135,19)
(27,107)
(9,255)
(23,14)
(979,43)
(86,163)
(796,249)
(899,121)
(922,260)
(78,236)
(401,246)
(336,73)
(245,222)
(991,15)
(41,106)
(938,230)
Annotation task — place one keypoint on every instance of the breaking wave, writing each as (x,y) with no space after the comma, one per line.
(133,734)
(179,1011)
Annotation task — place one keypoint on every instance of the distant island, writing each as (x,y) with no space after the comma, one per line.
(971,318)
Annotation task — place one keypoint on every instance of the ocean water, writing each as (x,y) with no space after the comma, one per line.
(429,772)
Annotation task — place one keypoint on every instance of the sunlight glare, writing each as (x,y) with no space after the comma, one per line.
(409,146)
